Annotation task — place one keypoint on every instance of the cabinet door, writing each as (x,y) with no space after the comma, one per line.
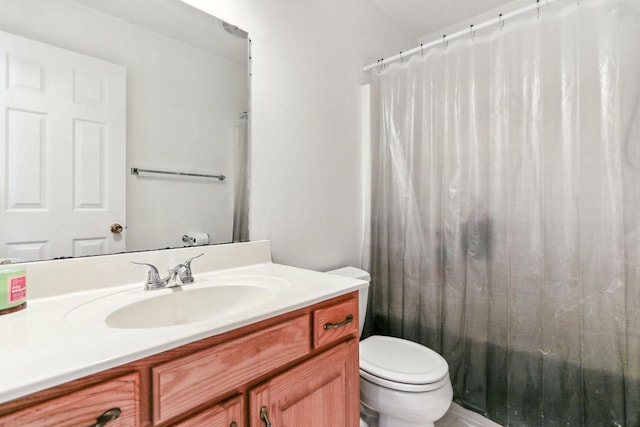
(228,414)
(83,407)
(321,392)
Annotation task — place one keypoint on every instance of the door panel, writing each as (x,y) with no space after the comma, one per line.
(62,150)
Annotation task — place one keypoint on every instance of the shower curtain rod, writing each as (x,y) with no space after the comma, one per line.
(469,31)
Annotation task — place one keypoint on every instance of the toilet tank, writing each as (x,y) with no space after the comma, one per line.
(363,294)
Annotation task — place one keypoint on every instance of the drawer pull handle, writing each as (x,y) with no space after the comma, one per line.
(265,417)
(233,424)
(108,415)
(344,323)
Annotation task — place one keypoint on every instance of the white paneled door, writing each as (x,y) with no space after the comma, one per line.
(62,152)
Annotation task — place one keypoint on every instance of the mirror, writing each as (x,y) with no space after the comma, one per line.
(93,90)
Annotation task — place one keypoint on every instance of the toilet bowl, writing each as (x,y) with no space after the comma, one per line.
(406,383)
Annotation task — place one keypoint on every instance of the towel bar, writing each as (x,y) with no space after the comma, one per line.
(136,171)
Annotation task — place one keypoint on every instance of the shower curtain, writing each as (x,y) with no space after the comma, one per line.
(241,178)
(506,213)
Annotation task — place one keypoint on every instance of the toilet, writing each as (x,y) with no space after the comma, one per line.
(405,383)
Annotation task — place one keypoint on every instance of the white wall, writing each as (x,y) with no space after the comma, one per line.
(306,186)
(183,104)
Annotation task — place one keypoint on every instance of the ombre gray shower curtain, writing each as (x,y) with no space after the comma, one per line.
(506,214)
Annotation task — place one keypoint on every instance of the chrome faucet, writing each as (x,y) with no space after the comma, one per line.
(181,271)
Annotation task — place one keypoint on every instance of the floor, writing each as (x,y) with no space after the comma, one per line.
(457,416)
(460,417)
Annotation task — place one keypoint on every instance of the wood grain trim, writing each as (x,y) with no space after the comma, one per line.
(186,383)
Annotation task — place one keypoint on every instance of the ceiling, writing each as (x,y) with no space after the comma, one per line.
(418,18)
(178,21)
(423,17)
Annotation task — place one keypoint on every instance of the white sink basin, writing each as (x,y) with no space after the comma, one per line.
(212,298)
(188,305)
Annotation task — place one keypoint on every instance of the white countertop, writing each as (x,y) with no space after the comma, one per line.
(53,341)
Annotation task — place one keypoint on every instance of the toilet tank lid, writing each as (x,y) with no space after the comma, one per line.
(352,272)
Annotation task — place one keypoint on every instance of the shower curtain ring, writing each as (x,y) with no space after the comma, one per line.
(401,58)
(500,22)
(538,9)
(472,32)
(445,42)
(421,51)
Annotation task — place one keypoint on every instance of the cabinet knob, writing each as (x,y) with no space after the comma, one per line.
(109,415)
(264,416)
(233,424)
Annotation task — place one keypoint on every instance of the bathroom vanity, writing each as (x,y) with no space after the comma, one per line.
(290,361)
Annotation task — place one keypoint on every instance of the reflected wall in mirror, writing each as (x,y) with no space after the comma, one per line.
(93,88)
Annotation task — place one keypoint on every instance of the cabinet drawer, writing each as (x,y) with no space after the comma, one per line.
(83,407)
(186,383)
(335,322)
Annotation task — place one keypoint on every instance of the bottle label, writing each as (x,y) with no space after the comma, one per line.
(17,289)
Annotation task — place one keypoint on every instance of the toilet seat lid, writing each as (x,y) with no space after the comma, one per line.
(401,361)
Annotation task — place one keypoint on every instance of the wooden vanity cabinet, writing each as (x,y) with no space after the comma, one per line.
(301,367)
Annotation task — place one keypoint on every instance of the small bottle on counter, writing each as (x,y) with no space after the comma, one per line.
(13,288)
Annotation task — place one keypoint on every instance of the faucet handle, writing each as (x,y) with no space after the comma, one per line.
(154,280)
(188,262)
(184,270)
